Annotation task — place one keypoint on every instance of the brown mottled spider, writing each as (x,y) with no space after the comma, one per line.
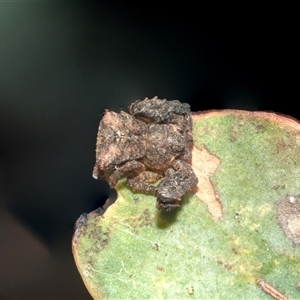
(151,142)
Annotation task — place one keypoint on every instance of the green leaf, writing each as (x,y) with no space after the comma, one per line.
(236,236)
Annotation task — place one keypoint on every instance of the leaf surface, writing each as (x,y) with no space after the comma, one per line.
(234,237)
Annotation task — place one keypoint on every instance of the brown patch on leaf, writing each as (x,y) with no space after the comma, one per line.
(288,216)
(137,222)
(233,134)
(204,165)
(228,266)
(101,238)
(79,227)
(235,130)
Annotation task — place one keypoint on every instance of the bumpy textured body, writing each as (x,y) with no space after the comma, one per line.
(151,142)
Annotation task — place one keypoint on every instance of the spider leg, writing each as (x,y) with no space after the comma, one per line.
(132,166)
(140,182)
(172,187)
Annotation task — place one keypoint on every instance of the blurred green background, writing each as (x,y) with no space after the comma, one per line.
(63,63)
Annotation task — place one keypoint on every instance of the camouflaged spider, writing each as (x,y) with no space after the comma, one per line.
(151,142)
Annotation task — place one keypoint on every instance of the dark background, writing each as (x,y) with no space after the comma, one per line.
(63,63)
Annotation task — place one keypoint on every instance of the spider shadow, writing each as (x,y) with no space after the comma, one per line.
(166,219)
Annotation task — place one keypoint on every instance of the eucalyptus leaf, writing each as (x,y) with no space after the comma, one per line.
(236,236)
